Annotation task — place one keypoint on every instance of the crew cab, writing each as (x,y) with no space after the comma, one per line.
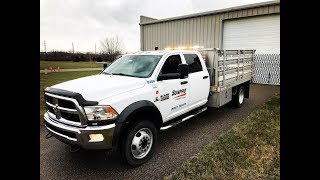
(123,107)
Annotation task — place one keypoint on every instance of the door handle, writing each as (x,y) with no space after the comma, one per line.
(205,77)
(184,82)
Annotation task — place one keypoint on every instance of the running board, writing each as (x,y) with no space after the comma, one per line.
(183,119)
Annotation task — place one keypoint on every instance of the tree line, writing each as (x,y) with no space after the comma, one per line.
(110,49)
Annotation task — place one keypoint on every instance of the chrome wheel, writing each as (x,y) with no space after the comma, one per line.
(241,95)
(141,143)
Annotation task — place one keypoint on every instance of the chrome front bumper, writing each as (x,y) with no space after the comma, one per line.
(80,135)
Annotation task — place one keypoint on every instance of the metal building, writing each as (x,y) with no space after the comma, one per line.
(253,26)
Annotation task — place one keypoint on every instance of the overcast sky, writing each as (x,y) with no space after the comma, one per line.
(86,22)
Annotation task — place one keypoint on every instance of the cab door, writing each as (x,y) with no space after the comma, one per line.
(198,79)
(173,93)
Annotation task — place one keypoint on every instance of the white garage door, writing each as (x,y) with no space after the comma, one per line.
(261,33)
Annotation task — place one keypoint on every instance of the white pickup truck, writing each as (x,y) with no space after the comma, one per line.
(124,107)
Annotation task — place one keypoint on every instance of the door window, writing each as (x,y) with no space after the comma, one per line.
(171,64)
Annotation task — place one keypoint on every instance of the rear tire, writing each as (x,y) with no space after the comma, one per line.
(140,143)
(238,98)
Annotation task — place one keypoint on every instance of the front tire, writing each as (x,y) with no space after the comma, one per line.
(140,143)
(239,97)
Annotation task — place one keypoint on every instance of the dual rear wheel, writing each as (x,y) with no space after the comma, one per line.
(238,98)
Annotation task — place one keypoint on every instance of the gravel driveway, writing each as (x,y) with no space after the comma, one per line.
(175,146)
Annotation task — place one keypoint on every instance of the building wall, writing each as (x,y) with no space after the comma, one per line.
(205,30)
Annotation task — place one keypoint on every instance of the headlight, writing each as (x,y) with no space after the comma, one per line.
(100,113)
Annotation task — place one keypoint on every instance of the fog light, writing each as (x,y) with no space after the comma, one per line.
(216,89)
(96,137)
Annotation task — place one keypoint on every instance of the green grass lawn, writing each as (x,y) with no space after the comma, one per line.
(69,65)
(250,150)
(50,79)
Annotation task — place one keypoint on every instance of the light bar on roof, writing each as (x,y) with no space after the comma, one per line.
(184,48)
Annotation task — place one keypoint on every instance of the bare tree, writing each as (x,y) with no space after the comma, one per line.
(111,46)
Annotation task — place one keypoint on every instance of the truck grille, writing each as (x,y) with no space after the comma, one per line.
(63,109)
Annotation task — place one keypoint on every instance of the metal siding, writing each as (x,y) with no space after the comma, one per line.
(234,14)
(216,31)
(254,11)
(170,37)
(158,35)
(194,30)
(198,30)
(271,9)
(187,40)
(155,37)
(201,31)
(260,10)
(170,33)
(249,12)
(181,33)
(161,36)
(146,39)
(225,15)
(213,20)
(174,32)
(174,26)
(277,8)
(190,31)
(149,37)
(209,32)
(167,32)
(177,32)
(186,31)
(141,38)
(152,36)
(266,10)
(220,32)
(204,30)
(245,12)
(239,13)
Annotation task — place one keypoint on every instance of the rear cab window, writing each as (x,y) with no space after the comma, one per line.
(194,62)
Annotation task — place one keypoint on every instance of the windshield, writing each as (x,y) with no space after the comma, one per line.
(133,65)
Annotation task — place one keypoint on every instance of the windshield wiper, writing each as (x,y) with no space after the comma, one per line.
(121,74)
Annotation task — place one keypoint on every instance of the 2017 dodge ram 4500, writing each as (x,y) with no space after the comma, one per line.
(124,106)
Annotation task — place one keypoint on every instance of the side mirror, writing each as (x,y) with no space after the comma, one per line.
(168,76)
(183,70)
(105,65)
